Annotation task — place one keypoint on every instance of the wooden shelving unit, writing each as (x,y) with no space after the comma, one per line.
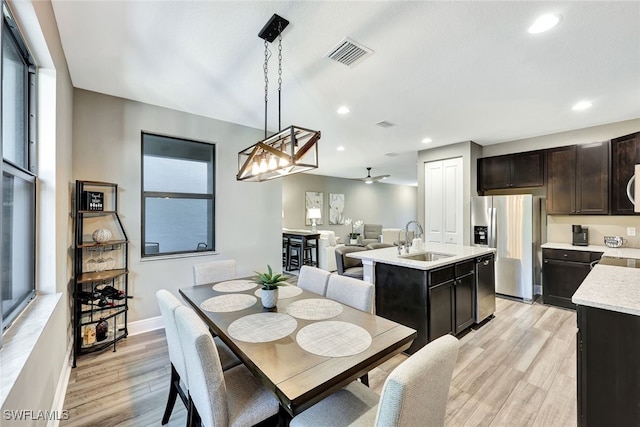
(100,283)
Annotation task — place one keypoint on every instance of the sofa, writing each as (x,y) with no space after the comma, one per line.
(390,235)
(370,234)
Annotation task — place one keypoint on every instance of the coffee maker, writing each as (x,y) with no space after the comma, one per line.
(580,235)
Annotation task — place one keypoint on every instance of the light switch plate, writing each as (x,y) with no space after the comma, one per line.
(631,231)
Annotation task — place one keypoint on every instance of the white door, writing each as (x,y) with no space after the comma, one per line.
(443,201)
(433,195)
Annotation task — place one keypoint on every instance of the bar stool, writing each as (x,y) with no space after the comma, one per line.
(299,254)
(285,252)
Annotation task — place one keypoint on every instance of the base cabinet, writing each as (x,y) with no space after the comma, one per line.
(435,302)
(608,350)
(562,273)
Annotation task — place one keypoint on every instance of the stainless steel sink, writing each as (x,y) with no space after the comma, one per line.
(426,256)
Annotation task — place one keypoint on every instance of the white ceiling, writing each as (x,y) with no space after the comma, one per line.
(451,71)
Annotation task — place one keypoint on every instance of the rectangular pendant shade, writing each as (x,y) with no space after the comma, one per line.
(289,151)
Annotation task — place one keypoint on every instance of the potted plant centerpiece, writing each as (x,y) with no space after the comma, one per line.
(355,225)
(270,283)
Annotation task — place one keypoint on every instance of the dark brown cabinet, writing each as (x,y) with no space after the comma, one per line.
(578,179)
(435,302)
(625,154)
(441,302)
(519,170)
(464,289)
(562,273)
(608,350)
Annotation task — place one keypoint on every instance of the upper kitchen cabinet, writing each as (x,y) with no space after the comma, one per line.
(519,170)
(578,179)
(625,154)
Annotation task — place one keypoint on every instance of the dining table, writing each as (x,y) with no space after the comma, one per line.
(305,348)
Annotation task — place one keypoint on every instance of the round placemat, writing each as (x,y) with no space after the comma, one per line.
(262,327)
(284,291)
(314,309)
(231,302)
(234,286)
(333,339)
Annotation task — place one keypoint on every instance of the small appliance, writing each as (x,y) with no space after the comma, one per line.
(580,235)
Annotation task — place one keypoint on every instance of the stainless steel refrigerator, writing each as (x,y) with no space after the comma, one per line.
(516,227)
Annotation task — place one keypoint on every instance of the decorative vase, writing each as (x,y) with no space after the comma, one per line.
(269,297)
(101,235)
(353,241)
(102,329)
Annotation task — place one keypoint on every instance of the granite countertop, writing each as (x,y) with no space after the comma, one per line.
(390,255)
(611,288)
(608,287)
(606,251)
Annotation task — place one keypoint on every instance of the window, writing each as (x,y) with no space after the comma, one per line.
(178,208)
(18,191)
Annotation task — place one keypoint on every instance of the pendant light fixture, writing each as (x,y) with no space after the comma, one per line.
(289,151)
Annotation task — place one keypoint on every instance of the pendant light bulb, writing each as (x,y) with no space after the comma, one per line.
(255,168)
(273,164)
(263,165)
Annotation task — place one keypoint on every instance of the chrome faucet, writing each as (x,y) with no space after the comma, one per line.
(407,243)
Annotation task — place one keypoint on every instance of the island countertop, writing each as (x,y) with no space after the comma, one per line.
(611,288)
(390,255)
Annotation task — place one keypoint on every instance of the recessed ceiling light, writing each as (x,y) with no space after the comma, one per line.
(427,140)
(343,110)
(582,105)
(340,148)
(544,23)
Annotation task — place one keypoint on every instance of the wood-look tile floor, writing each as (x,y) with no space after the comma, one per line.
(518,369)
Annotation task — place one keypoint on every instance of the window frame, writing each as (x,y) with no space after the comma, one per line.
(177,195)
(27,172)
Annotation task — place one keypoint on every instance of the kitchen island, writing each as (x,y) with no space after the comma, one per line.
(608,341)
(440,290)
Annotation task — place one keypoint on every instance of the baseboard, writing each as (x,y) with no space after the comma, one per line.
(145,325)
(61,390)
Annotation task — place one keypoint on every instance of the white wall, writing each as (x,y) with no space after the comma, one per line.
(107,147)
(36,385)
(392,206)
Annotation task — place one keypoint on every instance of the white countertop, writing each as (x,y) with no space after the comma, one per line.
(608,287)
(609,252)
(390,255)
(611,288)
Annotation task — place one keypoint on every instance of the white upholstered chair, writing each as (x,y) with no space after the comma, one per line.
(313,279)
(230,398)
(352,292)
(168,304)
(414,394)
(214,271)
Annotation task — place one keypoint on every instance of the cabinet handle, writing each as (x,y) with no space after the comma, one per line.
(546,261)
(565,255)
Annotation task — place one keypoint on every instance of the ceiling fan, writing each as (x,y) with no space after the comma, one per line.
(371,179)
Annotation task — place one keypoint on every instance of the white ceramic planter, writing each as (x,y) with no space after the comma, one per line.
(269,298)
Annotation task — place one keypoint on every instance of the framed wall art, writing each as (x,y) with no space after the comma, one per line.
(336,209)
(313,199)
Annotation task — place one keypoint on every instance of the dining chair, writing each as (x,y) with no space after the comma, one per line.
(214,271)
(219,398)
(313,279)
(168,303)
(352,292)
(414,394)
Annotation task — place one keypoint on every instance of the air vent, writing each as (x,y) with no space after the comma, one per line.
(349,52)
(385,124)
